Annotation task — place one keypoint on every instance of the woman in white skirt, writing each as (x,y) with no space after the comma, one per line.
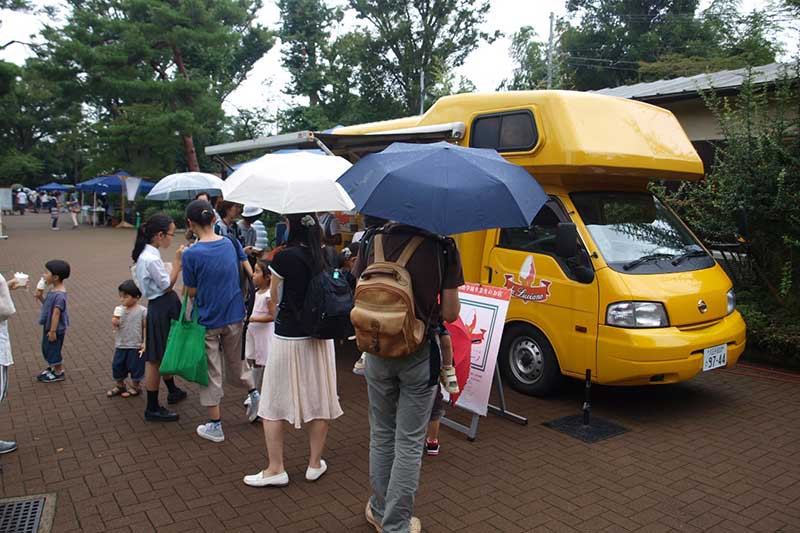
(299,384)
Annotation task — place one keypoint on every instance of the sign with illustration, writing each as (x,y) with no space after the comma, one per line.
(526,288)
(483,312)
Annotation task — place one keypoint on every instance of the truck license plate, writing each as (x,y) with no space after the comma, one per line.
(715,357)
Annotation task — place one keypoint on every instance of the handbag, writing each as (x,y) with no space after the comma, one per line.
(185,354)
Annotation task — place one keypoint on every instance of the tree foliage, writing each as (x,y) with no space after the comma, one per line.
(151,74)
(616,42)
(306,30)
(373,71)
(414,36)
(530,57)
(757,168)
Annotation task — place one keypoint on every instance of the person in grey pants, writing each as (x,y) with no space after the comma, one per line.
(401,390)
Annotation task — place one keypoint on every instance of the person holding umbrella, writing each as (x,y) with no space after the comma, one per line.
(398,428)
(443,189)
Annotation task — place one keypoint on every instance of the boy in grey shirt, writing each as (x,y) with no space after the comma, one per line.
(130,324)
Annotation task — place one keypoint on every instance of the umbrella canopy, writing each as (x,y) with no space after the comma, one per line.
(462,353)
(290,183)
(444,188)
(54,187)
(237,166)
(185,185)
(111,184)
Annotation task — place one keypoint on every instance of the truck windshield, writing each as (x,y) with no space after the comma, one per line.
(636,233)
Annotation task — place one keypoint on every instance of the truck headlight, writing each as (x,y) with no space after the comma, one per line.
(637,315)
(731,301)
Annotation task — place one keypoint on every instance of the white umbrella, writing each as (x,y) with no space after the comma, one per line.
(298,182)
(185,185)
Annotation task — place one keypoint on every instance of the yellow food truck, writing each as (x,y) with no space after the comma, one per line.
(606,278)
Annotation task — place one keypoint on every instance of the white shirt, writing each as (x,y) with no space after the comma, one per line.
(22,198)
(151,273)
(6,310)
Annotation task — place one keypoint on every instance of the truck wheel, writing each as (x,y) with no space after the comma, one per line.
(528,362)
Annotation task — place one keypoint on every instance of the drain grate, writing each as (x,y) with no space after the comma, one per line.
(21,516)
(598,430)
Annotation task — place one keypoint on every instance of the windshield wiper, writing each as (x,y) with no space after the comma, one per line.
(644,259)
(694,252)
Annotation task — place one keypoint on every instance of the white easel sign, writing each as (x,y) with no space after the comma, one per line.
(483,311)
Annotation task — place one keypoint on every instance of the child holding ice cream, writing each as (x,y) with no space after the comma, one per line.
(129,322)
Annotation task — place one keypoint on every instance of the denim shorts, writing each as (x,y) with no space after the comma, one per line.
(52,350)
(127,361)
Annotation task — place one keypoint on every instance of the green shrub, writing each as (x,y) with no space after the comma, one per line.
(757,170)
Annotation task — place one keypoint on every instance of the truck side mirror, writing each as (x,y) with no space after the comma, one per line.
(566,240)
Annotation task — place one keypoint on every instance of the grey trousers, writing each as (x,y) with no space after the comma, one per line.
(400,402)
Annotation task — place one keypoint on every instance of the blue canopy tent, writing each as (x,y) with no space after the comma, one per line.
(54,187)
(112,183)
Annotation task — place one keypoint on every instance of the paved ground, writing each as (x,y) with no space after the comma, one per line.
(721,452)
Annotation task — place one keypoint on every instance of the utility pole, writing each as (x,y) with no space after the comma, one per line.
(550,55)
(422,92)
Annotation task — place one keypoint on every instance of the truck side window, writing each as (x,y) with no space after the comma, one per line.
(539,237)
(505,132)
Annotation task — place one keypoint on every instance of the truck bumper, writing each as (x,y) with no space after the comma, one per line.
(664,355)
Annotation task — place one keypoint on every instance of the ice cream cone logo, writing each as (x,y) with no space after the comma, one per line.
(475,338)
(527,273)
(526,289)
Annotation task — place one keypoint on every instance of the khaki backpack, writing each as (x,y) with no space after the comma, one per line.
(383,307)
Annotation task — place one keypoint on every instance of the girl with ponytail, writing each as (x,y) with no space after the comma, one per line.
(211,275)
(163,306)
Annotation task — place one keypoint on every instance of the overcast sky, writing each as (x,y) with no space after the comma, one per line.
(486,67)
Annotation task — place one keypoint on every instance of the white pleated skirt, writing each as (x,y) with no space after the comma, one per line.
(300,381)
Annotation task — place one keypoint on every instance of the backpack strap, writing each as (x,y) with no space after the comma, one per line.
(377,242)
(409,250)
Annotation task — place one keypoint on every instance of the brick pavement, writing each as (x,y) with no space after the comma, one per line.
(720,452)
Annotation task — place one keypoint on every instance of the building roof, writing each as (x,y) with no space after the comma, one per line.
(689,86)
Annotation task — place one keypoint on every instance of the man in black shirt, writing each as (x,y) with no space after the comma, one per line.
(401,390)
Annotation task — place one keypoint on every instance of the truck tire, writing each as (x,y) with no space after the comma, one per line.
(527,361)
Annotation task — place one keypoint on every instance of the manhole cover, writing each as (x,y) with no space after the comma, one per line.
(29,514)
(21,516)
(597,430)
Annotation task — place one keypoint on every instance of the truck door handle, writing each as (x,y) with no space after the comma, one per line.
(490,273)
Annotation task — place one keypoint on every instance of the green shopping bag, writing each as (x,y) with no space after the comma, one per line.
(185,355)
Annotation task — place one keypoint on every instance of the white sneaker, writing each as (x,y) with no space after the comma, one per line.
(313,474)
(252,407)
(259,480)
(211,431)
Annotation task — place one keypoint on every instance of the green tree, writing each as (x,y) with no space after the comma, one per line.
(757,168)
(530,56)
(152,74)
(617,42)
(31,119)
(420,36)
(249,124)
(305,30)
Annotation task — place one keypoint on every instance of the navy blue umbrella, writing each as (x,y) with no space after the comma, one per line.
(444,188)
